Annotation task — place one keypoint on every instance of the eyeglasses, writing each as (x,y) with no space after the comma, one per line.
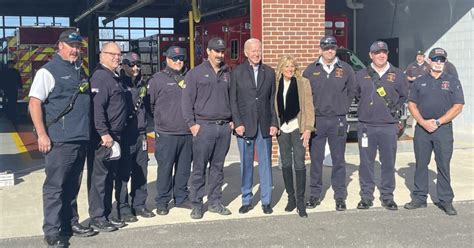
(180,58)
(439,59)
(74,37)
(112,54)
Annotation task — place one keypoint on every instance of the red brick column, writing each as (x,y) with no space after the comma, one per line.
(290,27)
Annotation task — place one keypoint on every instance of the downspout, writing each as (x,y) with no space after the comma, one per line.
(351,4)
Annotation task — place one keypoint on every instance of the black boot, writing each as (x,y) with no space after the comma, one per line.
(290,190)
(300,189)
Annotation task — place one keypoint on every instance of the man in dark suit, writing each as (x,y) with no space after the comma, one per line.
(252,94)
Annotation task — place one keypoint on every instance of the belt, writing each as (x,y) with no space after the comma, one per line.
(219,122)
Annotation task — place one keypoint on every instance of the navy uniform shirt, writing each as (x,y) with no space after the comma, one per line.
(165,90)
(109,104)
(372,108)
(416,70)
(136,118)
(206,96)
(434,97)
(332,93)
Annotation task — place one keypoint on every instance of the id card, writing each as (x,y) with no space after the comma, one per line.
(365,141)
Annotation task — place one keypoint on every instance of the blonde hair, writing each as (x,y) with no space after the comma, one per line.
(284,61)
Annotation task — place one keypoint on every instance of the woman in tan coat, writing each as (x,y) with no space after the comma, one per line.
(295,111)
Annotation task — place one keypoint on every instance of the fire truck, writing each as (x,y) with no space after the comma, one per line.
(31,48)
(152,50)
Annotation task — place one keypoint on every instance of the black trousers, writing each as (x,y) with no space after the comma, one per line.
(133,165)
(101,174)
(210,145)
(292,151)
(441,142)
(334,131)
(64,166)
(173,153)
(384,139)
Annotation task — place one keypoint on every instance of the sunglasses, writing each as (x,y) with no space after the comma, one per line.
(180,58)
(74,37)
(134,64)
(439,59)
(330,43)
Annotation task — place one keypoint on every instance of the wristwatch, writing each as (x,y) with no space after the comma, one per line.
(437,123)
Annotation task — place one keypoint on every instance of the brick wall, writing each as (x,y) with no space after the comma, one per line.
(291,27)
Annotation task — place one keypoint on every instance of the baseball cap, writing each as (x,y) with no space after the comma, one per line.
(130,58)
(437,52)
(328,42)
(216,43)
(70,36)
(420,52)
(377,46)
(174,51)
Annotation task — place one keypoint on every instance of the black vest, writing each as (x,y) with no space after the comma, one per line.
(74,126)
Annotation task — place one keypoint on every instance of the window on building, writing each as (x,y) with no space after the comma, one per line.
(28,20)
(125,29)
(234,49)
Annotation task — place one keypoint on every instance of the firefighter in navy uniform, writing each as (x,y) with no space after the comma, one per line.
(63,136)
(417,68)
(333,85)
(173,139)
(133,164)
(382,92)
(435,100)
(110,117)
(206,111)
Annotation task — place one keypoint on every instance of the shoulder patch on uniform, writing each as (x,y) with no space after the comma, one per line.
(391,77)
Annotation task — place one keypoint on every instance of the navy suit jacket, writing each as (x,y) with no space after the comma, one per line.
(252,105)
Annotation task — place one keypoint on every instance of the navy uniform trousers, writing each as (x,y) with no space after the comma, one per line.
(64,166)
(327,129)
(384,139)
(100,181)
(441,142)
(133,165)
(210,145)
(172,152)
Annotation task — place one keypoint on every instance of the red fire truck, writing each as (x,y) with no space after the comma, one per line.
(31,48)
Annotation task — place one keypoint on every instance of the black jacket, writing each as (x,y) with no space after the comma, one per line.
(252,104)
(109,104)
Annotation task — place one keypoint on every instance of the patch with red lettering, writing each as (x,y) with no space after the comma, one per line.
(339,72)
(176,50)
(445,85)
(391,77)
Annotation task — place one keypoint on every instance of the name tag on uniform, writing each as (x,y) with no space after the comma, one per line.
(316,73)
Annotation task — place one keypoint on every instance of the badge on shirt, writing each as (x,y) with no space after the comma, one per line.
(224,78)
(391,77)
(339,72)
(316,73)
(181,84)
(445,85)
